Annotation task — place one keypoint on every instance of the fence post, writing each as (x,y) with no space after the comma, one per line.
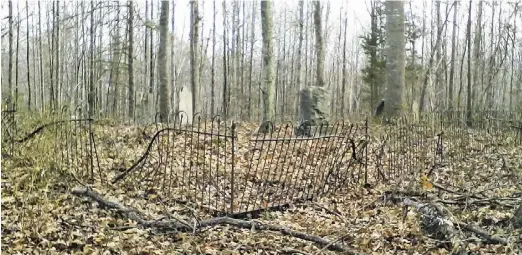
(232,173)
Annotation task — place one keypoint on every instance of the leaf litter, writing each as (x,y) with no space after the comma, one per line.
(40,215)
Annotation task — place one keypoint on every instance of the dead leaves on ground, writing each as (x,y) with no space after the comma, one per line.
(40,216)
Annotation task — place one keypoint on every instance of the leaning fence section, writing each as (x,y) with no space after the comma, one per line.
(228,168)
(188,163)
(282,168)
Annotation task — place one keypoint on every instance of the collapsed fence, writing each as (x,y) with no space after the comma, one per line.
(228,168)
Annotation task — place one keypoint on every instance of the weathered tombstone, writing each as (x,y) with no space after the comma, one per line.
(380,109)
(314,110)
(185,105)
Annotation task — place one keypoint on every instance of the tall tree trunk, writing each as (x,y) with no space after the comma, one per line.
(513,43)
(251,65)
(438,54)
(91,65)
(477,41)
(40,46)
(130,60)
(10,60)
(452,61)
(469,93)
(29,91)
(57,53)
(17,55)
(268,61)
(395,53)
(300,84)
(319,45)
(162,62)
(115,62)
(194,57)
(343,83)
(213,68)
(173,90)
(224,104)
(151,106)
(144,106)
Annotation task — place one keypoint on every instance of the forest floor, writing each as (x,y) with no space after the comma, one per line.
(40,215)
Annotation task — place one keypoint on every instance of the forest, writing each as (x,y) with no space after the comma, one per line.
(261,127)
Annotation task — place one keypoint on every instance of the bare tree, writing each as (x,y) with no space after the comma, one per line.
(130,60)
(194,56)
(268,61)
(395,54)
(319,45)
(452,61)
(10,65)
(469,93)
(29,92)
(213,68)
(162,62)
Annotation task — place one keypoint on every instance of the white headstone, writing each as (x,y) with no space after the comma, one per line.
(185,105)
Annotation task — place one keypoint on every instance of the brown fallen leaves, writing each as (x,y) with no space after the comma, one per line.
(39,215)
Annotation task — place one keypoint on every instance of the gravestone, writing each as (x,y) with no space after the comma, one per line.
(313,110)
(185,105)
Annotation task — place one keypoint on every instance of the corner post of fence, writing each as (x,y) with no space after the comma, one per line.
(232,171)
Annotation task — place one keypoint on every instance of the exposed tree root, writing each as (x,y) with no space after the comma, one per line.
(183,226)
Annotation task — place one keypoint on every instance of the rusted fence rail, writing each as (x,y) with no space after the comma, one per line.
(228,168)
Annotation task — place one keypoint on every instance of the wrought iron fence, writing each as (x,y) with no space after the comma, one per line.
(62,141)
(230,168)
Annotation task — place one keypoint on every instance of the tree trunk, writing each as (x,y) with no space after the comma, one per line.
(151,67)
(91,64)
(268,61)
(163,61)
(213,68)
(115,62)
(17,55)
(29,92)
(300,84)
(343,71)
(130,60)
(194,57)
(251,65)
(395,39)
(10,60)
(469,93)
(477,41)
(452,61)
(40,46)
(224,104)
(319,45)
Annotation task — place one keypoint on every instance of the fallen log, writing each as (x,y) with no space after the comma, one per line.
(183,226)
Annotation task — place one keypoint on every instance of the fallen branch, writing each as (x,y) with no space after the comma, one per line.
(482,233)
(178,226)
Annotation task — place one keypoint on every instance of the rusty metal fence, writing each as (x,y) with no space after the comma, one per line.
(61,141)
(232,168)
